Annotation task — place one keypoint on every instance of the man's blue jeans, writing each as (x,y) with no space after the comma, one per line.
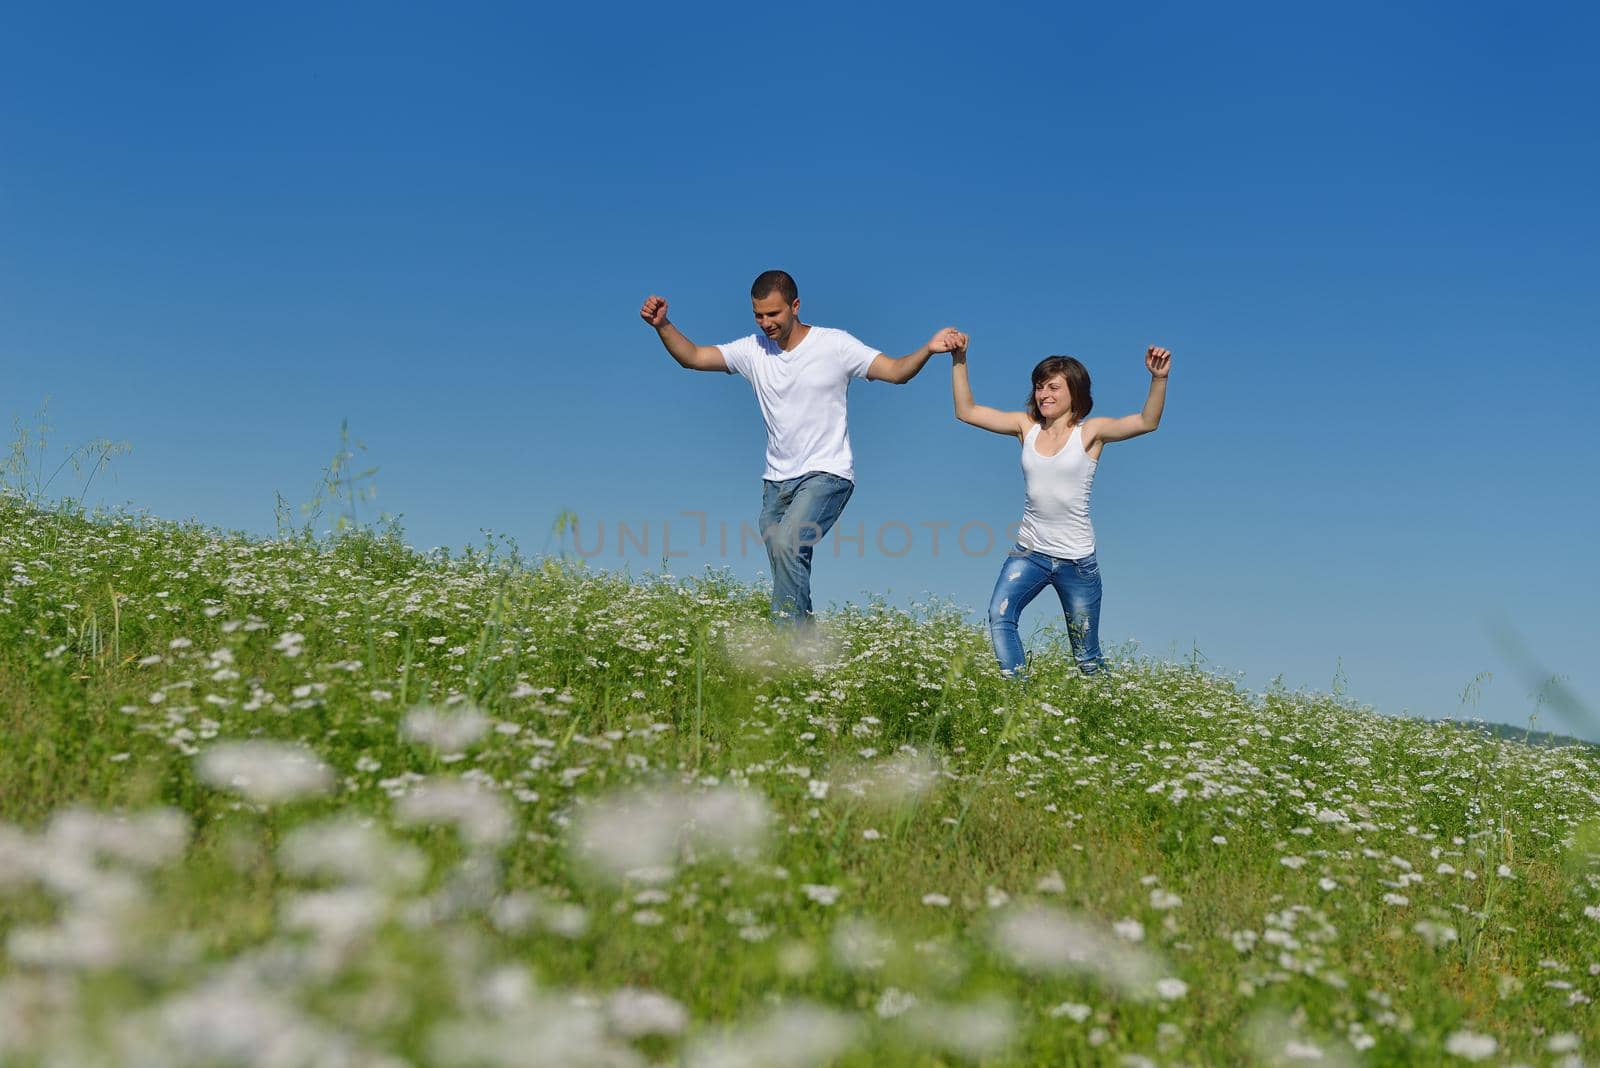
(795,514)
(1023,576)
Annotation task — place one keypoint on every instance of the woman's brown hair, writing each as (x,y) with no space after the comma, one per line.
(1077,376)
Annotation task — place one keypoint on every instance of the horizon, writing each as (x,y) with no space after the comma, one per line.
(1581,725)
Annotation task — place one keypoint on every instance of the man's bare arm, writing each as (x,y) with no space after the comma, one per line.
(686,352)
(899,371)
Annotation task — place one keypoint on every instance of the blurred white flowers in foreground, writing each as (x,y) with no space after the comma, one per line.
(265,772)
(643,835)
(796,1036)
(449,730)
(481,816)
(1041,939)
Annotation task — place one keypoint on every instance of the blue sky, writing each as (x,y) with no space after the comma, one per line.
(1368,234)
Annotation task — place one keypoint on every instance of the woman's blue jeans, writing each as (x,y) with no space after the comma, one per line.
(796,514)
(1024,575)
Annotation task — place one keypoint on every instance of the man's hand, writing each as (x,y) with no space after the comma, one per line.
(1158,361)
(654,311)
(945,340)
(960,350)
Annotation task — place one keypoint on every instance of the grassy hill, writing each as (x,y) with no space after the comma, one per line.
(1530,736)
(337,803)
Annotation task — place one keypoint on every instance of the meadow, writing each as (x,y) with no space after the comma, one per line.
(334,802)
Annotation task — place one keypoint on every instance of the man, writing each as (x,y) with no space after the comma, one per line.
(800,374)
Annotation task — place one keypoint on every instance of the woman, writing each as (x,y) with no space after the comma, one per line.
(1061,447)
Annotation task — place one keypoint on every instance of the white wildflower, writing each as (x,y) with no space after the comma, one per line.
(1046,940)
(337,916)
(448,730)
(900,780)
(235,1021)
(505,990)
(858,946)
(1471,1046)
(894,1002)
(481,816)
(80,940)
(1073,1011)
(1565,1042)
(1163,900)
(645,834)
(566,920)
(1435,934)
(796,1036)
(975,1031)
(145,840)
(265,772)
(1170,989)
(634,1013)
(516,912)
(350,850)
(548,1033)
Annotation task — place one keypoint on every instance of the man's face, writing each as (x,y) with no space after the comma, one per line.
(775,316)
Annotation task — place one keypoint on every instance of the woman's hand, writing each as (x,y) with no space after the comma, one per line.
(945,340)
(1158,361)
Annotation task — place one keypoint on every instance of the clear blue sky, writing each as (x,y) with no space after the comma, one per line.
(1368,233)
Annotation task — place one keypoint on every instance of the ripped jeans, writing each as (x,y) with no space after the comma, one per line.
(1023,576)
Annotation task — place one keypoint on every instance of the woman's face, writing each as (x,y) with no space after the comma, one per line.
(1053,397)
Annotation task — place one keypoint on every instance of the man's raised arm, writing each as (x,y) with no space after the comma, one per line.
(686,352)
(902,370)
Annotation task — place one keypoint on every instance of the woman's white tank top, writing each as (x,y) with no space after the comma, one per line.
(1055,515)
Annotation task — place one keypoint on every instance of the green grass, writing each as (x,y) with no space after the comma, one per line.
(1382,886)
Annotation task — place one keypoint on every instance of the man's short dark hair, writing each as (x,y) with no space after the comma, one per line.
(770,282)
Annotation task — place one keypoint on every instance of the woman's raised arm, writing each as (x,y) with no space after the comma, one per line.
(1158,361)
(971,412)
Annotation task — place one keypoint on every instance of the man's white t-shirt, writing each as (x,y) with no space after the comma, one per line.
(802,398)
